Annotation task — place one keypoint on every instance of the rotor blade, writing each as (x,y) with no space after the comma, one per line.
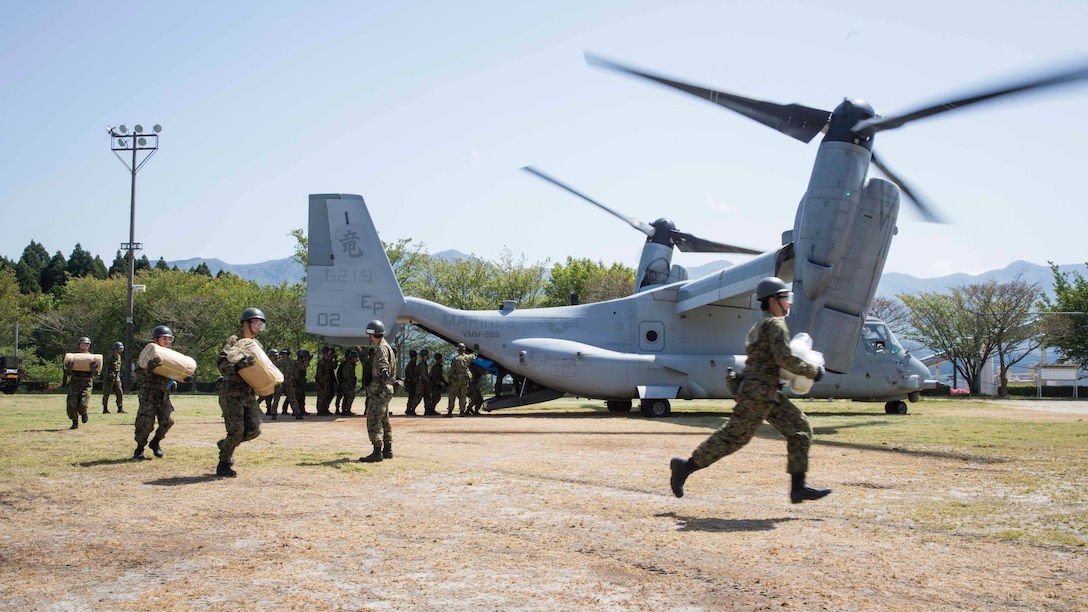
(800,122)
(1065,76)
(928,213)
(693,244)
(633,222)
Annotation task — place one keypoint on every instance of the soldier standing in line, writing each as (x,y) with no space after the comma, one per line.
(759,397)
(111,379)
(475,396)
(411,376)
(346,381)
(154,400)
(380,390)
(302,364)
(79,387)
(287,367)
(237,400)
(460,379)
(438,385)
(326,380)
(423,383)
(270,408)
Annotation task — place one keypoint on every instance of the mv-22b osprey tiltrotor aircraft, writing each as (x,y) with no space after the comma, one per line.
(674,338)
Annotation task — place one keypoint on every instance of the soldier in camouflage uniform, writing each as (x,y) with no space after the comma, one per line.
(438,385)
(326,380)
(423,382)
(302,364)
(237,400)
(79,387)
(346,381)
(759,397)
(111,379)
(460,379)
(270,407)
(475,396)
(411,377)
(380,390)
(154,400)
(287,367)
(277,395)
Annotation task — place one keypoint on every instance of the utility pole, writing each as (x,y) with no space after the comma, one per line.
(137,142)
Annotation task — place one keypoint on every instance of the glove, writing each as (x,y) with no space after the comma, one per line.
(187,379)
(244,362)
(154,363)
(819,374)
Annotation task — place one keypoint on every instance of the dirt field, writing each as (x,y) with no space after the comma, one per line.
(564,510)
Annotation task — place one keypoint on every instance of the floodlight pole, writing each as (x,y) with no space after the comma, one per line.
(121,141)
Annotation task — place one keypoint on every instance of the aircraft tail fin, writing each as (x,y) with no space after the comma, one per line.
(349,281)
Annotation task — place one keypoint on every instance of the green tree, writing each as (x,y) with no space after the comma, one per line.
(202,269)
(28,278)
(973,323)
(119,265)
(1068,328)
(161,264)
(55,275)
(302,245)
(590,281)
(98,269)
(80,263)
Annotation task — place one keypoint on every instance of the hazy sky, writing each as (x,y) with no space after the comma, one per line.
(428,110)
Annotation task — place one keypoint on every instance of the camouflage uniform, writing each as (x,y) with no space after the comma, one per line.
(380,391)
(111,382)
(438,385)
(287,367)
(326,383)
(301,366)
(346,381)
(460,378)
(423,387)
(368,377)
(238,402)
(760,399)
(154,404)
(475,396)
(411,380)
(79,394)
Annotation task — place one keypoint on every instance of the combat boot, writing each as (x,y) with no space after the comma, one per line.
(75,424)
(155,448)
(120,410)
(800,492)
(138,454)
(105,410)
(387,452)
(374,457)
(83,417)
(223,470)
(681,469)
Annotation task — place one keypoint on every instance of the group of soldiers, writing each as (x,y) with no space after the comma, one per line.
(334,379)
(426,383)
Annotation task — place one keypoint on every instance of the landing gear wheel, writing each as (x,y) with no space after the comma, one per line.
(655,408)
(897,407)
(618,405)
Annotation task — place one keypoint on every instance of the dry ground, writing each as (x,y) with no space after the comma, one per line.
(563,510)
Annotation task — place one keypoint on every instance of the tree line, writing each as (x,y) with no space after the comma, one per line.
(52,301)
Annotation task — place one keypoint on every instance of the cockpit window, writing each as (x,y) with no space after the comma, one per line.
(879,340)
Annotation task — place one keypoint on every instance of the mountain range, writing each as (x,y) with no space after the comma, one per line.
(287,270)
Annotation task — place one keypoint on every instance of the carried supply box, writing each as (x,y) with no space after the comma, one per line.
(174,365)
(82,362)
(263,375)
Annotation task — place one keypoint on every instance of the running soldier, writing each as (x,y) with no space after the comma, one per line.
(759,397)
(237,400)
(154,400)
(79,387)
